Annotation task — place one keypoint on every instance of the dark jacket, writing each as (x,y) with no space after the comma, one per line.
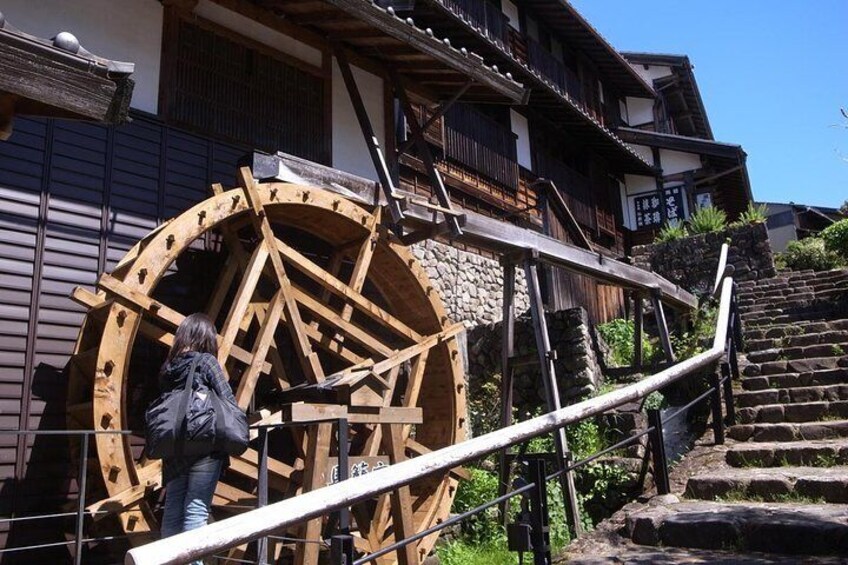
(173,376)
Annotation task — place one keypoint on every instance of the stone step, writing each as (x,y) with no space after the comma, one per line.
(828,337)
(817,312)
(797,329)
(838,348)
(644,555)
(825,453)
(808,529)
(799,412)
(786,431)
(771,484)
(794,366)
(796,380)
(829,393)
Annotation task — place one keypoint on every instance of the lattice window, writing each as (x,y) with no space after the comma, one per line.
(236,92)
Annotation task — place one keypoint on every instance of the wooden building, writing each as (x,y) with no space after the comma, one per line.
(526,112)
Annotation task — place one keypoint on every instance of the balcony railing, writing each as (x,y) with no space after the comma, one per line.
(485,17)
(575,188)
(564,79)
(479,142)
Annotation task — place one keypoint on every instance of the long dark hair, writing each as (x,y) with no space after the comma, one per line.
(196,333)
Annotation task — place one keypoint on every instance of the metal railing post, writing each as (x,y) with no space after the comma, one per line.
(540,534)
(715,402)
(341,544)
(657,445)
(729,405)
(83,478)
(262,494)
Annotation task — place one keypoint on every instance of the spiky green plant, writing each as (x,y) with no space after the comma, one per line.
(671,232)
(707,220)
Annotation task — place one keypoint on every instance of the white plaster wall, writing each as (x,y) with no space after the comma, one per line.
(674,162)
(349,150)
(637,184)
(643,151)
(780,237)
(125,30)
(653,72)
(640,111)
(258,32)
(511,11)
(522,130)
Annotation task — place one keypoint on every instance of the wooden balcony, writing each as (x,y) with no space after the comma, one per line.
(576,190)
(481,144)
(485,17)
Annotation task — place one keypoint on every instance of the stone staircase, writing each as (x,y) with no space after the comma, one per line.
(777,491)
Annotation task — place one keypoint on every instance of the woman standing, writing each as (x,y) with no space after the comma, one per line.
(190,480)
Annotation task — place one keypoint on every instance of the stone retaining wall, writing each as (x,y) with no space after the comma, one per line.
(470,285)
(577,369)
(691,262)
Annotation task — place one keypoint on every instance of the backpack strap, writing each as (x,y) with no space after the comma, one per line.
(180,424)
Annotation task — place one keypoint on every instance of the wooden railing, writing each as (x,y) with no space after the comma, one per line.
(255,524)
(485,17)
(575,188)
(479,142)
(564,79)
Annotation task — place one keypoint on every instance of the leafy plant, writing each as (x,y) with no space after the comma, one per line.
(697,339)
(835,238)
(462,552)
(809,253)
(619,335)
(707,220)
(671,232)
(479,489)
(654,401)
(752,215)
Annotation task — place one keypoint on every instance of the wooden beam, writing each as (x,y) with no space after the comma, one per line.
(371,141)
(308,359)
(160,312)
(470,66)
(244,295)
(247,384)
(317,452)
(403,522)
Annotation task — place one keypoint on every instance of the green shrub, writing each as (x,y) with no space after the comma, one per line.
(751,215)
(836,238)
(707,220)
(618,334)
(809,253)
(698,338)
(479,489)
(671,232)
(491,552)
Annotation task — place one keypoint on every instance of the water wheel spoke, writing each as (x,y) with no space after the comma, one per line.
(149,478)
(308,359)
(401,499)
(349,329)
(247,464)
(222,287)
(247,384)
(350,293)
(162,313)
(238,308)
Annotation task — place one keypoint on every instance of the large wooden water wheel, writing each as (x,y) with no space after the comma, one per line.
(319,311)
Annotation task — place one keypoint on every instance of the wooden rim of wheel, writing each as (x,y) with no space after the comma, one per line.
(329,322)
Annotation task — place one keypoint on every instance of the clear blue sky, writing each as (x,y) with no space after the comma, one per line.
(773,75)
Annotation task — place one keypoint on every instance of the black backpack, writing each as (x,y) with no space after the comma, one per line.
(194,421)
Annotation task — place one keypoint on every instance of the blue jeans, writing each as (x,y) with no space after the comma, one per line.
(188,496)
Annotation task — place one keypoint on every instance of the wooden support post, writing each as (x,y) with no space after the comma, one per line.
(638,328)
(371,141)
(426,155)
(507,351)
(546,363)
(402,518)
(317,451)
(438,113)
(662,326)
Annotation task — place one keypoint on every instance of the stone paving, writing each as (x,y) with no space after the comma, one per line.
(777,491)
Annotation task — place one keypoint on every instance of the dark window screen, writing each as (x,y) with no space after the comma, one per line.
(232,91)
